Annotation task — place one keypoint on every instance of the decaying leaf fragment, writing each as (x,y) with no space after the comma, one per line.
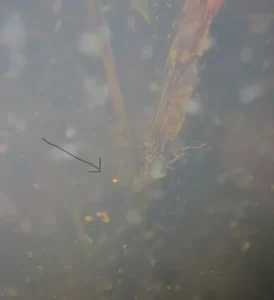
(103,216)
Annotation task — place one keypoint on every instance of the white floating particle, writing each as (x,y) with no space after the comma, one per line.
(221,178)
(13,33)
(233,224)
(146,52)
(157,169)
(92,43)
(35,186)
(153,86)
(12,73)
(106,8)
(192,106)
(131,23)
(216,120)
(14,120)
(251,93)
(245,246)
(89,83)
(100,93)
(21,126)
(25,226)
(58,26)
(52,61)
(11,291)
(70,132)
(89,44)
(97,94)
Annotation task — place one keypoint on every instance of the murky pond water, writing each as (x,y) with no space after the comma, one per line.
(205,230)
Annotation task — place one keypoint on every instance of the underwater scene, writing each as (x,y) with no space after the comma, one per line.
(137,149)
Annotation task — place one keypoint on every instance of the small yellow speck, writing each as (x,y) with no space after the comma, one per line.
(88,219)
(115,180)
(103,216)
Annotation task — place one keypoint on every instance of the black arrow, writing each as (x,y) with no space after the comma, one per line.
(98,169)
